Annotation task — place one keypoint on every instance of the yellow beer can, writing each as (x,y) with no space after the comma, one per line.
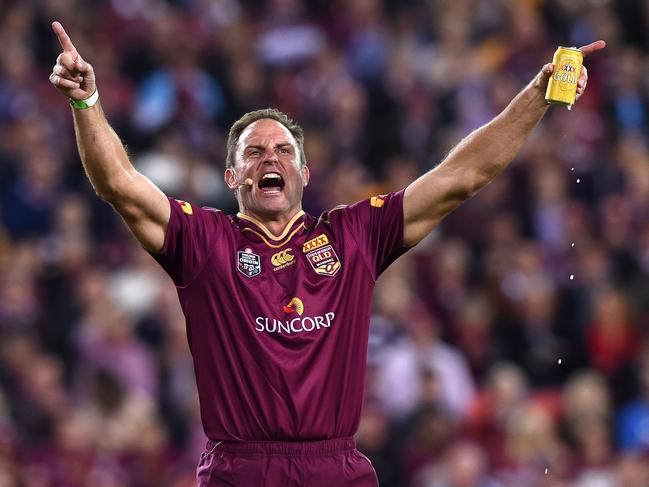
(562,86)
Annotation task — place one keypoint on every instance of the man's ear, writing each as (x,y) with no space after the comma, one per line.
(305,175)
(230,178)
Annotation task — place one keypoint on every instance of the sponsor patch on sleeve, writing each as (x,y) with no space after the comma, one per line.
(377,201)
(186,207)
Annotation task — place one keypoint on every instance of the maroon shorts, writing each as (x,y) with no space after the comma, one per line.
(329,463)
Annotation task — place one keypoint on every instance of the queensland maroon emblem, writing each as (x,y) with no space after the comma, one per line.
(324,260)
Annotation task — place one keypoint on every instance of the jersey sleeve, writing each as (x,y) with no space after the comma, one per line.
(191,236)
(377,225)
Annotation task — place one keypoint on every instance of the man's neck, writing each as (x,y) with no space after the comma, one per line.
(274,223)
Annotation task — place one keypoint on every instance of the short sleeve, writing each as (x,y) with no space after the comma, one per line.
(377,225)
(190,238)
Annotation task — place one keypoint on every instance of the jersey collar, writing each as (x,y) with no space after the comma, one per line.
(291,228)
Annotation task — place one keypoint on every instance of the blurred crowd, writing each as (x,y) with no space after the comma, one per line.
(509,349)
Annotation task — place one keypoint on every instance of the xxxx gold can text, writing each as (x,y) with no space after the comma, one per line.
(562,86)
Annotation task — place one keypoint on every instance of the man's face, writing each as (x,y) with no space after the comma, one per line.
(267,153)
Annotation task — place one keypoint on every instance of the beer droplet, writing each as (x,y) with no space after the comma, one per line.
(572,276)
(546,470)
(559,361)
(572,244)
(578,180)
(572,168)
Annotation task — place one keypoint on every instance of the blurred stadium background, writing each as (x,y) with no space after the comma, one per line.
(509,349)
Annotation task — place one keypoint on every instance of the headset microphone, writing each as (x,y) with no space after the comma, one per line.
(248,183)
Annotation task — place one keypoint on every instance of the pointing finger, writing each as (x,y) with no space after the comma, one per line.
(592,47)
(64,39)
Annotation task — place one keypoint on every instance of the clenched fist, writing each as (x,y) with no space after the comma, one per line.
(71,75)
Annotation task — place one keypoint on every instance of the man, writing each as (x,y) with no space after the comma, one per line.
(277,302)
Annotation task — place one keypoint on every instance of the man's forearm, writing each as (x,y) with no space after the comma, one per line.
(479,157)
(102,153)
(144,208)
(474,162)
(488,150)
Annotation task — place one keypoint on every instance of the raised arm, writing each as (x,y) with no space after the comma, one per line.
(478,158)
(144,208)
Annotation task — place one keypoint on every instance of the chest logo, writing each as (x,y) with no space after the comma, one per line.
(282,259)
(324,260)
(295,306)
(248,264)
(315,243)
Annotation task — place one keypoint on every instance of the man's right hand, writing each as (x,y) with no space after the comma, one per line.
(71,75)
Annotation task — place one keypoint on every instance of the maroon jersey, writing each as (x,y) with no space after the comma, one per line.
(278,326)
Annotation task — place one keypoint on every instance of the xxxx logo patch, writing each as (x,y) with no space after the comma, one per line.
(314,243)
(282,259)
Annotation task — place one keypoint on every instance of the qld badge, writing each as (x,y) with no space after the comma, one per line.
(324,260)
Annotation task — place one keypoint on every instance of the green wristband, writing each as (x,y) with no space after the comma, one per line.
(87,103)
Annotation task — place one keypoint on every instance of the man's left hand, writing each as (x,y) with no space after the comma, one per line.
(541,81)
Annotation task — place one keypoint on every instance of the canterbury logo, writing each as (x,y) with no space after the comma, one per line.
(282,258)
(296,305)
(315,243)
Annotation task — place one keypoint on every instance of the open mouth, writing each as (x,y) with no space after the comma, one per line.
(270,183)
